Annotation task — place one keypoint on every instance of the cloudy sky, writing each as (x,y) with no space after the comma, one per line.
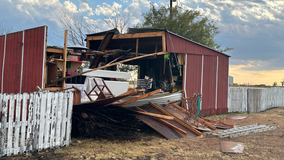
(254,28)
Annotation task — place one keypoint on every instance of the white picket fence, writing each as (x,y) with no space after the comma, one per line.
(35,121)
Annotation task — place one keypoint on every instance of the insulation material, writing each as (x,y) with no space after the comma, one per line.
(232,147)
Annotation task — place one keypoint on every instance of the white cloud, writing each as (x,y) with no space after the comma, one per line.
(107,9)
(84,7)
(69,6)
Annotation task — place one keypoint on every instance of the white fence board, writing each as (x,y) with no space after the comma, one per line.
(35,121)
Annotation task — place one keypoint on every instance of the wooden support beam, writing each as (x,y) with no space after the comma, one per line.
(140,97)
(53,88)
(164,122)
(64,58)
(164,42)
(176,119)
(128,92)
(155,115)
(114,64)
(178,107)
(206,123)
(212,121)
(54,50)
(137,44)
(127,36)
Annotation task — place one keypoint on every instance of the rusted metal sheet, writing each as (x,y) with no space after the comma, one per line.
(22,63)
(34,57)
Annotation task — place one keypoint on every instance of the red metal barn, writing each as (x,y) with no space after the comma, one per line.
(22,59)
(206,72)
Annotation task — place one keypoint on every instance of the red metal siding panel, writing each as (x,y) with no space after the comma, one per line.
(12,69)
(33,59)
(2,42)
(223,74)
(179,45)
(209,85)
(193,74)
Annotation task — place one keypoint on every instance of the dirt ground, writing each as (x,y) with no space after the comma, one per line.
(264,145)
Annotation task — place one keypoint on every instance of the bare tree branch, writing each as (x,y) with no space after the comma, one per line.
(5,29)
(76,25)
(119,20)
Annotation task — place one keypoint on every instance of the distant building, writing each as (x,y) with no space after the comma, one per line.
(231,80)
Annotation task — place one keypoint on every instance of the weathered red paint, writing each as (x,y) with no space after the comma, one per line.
(34,45)
(194,69)
(12,68)
(33,59)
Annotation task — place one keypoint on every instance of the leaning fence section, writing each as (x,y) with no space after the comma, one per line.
(35,121)
(254,100)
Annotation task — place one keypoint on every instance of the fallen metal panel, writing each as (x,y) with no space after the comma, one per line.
(164,130)
(232,147)
(171,131)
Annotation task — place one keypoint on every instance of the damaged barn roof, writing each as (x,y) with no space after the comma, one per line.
(144,30)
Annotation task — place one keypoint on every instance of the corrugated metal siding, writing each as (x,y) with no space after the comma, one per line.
(33,59)
(34,44)
(12,68)
(179,45)
(222,91)
(2,40)
(193,73)
(209,85)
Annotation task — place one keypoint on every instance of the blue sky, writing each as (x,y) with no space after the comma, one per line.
(254,28)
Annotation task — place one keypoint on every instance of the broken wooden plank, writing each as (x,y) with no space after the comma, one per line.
(155,115)
(178,107)
(206,123)
(140,97)
(215,122)
(176,119)
(129,92)
(114,64)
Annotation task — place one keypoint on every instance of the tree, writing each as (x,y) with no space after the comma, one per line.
(4,29)
(76,25)
(274,84)
(190,24)
(119,19)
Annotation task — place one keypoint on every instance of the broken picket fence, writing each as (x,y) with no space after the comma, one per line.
(35,121)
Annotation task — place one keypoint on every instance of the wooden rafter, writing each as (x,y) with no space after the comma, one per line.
(126,36)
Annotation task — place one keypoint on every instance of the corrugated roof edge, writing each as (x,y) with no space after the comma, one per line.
(195,42)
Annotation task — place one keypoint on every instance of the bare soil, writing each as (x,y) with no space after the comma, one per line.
(264,145)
